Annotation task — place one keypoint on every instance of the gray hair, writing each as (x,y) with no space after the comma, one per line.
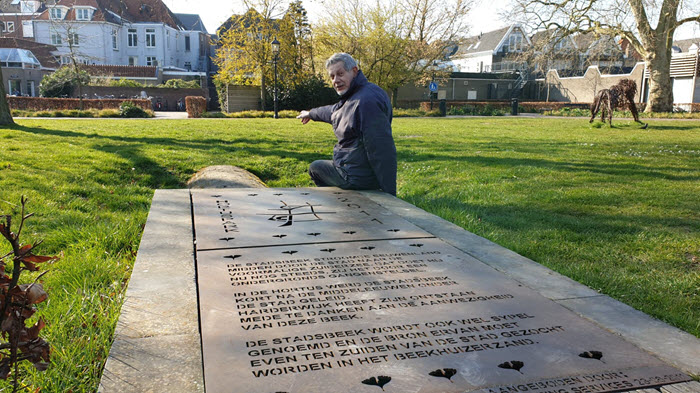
(348,62)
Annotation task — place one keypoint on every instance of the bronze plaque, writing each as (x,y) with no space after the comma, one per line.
(395,315)
(280,216)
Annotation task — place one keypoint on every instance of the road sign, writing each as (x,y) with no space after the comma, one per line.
(433,86)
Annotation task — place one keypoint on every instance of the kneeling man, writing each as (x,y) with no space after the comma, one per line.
(365,156)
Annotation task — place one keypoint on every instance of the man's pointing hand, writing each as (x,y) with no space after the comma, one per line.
(304,116)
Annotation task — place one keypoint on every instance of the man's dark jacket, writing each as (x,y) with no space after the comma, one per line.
(365,151)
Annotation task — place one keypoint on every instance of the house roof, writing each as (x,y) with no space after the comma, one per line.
(192,22)
(117,10)
(599,46)
(43,52)
(684,45)
(541,38)
(9,6)
(483,42)
(121,71)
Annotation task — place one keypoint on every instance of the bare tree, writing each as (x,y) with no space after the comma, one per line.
(551,49)
(630,19)
(395,42)
(70,35)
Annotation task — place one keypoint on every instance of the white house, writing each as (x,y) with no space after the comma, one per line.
(494,51)
(685,69)
(121,32)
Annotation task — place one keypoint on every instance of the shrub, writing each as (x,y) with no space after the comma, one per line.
(179,84)
(108,113)
(195,106)
(309,93)
(71,113)
(214,115)
(129,109)
(399,112)
(125,83)
(62,82)
(478,110)
(51,104)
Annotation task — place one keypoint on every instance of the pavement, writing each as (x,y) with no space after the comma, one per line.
(170,115)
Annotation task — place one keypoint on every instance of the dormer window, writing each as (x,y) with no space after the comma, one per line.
(56,13)
(515,42)
(29,6)
(82,13)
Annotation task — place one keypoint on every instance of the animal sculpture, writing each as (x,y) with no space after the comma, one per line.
(618,96)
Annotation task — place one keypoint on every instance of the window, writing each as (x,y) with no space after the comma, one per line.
(56,39)
(188,66)
(27,29)
(150,38)
(82,14)
(151,61)
(10,26)
(30,88)
(65,60)
(187,43)
(115,40)
(132,38)
(55,13)
(515,42)
(15,87)
(133,60)
(73,39)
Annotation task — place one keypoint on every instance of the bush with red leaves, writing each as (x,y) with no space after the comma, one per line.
(19,342)
(195,106)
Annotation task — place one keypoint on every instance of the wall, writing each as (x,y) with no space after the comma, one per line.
(476,62)
(583,88)
(683,90)
(457,89)
(241,98)
(92,45)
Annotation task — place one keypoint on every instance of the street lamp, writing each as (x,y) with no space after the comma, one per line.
(275,53)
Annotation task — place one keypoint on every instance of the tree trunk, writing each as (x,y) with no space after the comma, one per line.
(394,96)
(658,62)
(5,114)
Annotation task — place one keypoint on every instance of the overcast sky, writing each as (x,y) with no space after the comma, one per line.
(484,17)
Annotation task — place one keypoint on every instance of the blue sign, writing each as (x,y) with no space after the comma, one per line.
(433,86)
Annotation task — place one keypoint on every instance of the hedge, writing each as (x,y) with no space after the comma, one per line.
(532,106)
(52,104)
(537,106)
(195,106)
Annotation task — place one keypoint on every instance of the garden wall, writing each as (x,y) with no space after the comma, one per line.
(241,98)
(583,88)
(50,104)
(167,97)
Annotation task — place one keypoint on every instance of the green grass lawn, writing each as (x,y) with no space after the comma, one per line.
(616,209)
